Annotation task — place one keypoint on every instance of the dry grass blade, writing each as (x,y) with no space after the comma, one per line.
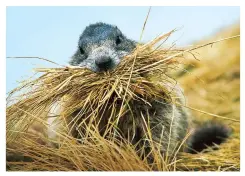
(37,58)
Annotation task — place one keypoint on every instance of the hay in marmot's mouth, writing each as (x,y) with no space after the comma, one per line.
(95,98)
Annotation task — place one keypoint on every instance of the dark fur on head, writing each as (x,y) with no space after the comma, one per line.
(101,47)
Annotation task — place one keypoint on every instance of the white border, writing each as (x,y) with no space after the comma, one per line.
(124,3)
(105,3)
(3,87)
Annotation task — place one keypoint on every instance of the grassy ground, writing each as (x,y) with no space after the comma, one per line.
(213,85)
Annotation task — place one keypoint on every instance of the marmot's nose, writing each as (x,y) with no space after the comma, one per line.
(104,63)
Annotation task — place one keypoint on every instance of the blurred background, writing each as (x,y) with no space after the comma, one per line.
(52,32)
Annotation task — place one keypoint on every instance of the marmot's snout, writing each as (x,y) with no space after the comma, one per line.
(104,63)
(104,58)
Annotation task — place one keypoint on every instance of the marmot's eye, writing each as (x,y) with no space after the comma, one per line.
(118,40)
(81,50)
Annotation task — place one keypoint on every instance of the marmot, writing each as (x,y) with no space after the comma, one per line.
(100,48)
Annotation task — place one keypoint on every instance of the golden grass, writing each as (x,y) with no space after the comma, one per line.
(142,75)
(214,86)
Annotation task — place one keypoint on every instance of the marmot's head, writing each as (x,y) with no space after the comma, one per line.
(101,47)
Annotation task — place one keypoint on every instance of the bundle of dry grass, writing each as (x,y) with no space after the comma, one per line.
(80,88)
(105,95)
(142,75)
